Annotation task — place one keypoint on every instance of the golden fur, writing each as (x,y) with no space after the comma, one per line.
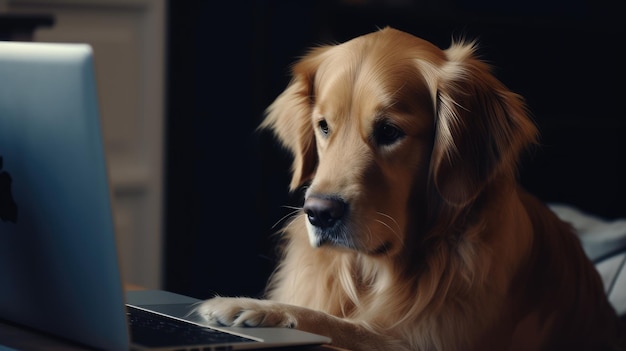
(414,234)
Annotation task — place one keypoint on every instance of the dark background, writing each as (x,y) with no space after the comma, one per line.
(228,60)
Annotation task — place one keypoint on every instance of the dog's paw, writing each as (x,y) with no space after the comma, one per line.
(245,312)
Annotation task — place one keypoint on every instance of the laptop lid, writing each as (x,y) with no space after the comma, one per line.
(55,213)
(59,269)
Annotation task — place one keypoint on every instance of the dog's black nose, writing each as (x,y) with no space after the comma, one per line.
(323,212)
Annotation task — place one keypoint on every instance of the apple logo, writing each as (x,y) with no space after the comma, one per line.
(8,207)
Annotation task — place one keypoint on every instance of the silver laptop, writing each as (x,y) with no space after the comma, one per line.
(59,268)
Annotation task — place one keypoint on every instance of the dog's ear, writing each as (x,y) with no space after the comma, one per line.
(481,128)
(289,117)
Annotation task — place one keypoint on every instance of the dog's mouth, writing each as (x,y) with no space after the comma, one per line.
(336,237)
(340,237)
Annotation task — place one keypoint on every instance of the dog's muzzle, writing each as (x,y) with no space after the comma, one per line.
(327,221)
(328,224)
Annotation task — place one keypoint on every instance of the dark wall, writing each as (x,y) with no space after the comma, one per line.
(227,184)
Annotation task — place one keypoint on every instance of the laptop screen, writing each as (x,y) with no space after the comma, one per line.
(58,263)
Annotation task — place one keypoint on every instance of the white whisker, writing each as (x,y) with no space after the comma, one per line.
(392,219)
(395,232)
(290,214)
(293,221)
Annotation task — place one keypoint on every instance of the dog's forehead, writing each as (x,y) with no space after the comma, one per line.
(367,76)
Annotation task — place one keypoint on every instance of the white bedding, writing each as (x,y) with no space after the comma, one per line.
(604,242)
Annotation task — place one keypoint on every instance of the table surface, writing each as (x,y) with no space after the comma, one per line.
(15,337)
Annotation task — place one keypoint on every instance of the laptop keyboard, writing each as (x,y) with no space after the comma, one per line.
(154,330)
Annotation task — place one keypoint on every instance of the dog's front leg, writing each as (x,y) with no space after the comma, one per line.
(247,312)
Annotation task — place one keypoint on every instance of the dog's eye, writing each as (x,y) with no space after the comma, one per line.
(386,134)
(323,126)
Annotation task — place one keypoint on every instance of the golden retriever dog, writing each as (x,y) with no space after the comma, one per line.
(414,233)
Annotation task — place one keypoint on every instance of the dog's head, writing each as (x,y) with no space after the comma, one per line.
(386,128)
